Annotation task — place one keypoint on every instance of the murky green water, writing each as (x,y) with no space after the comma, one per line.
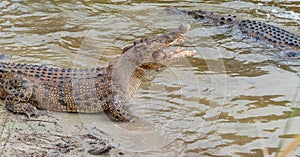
(234,97)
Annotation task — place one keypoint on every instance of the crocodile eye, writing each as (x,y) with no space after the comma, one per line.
(138,41)
(155,54)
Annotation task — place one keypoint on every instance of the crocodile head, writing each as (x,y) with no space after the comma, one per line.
(153,53)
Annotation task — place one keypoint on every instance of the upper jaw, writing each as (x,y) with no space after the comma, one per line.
(170,38)
(162,41)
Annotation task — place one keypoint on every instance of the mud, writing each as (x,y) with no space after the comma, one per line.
(53,135)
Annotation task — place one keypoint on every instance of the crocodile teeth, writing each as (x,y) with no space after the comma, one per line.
(183,54)
(179,49)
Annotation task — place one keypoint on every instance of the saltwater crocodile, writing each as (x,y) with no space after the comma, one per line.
(258,30)
(26,87)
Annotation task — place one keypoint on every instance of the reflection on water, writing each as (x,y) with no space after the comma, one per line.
(233,98)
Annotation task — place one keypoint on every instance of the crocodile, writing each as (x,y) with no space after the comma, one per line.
(26,88)
(258,30)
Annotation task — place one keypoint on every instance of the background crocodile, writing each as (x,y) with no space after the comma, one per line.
(258,30)
(27,87)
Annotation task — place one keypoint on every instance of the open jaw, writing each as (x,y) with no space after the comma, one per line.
(167,55)
(153,52)
(157,50)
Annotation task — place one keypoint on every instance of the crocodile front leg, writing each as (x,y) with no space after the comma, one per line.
(19,92)
(117,110)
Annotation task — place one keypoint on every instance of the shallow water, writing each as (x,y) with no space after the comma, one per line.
(234,97)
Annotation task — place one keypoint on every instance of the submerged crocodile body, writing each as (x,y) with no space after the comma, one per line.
(258,30)
(25,87)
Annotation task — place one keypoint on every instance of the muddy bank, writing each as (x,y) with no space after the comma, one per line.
(53,135)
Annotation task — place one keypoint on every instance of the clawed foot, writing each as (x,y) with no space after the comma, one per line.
(30,110)
(129,119)
(26,108)
(125,117)
(31,114)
